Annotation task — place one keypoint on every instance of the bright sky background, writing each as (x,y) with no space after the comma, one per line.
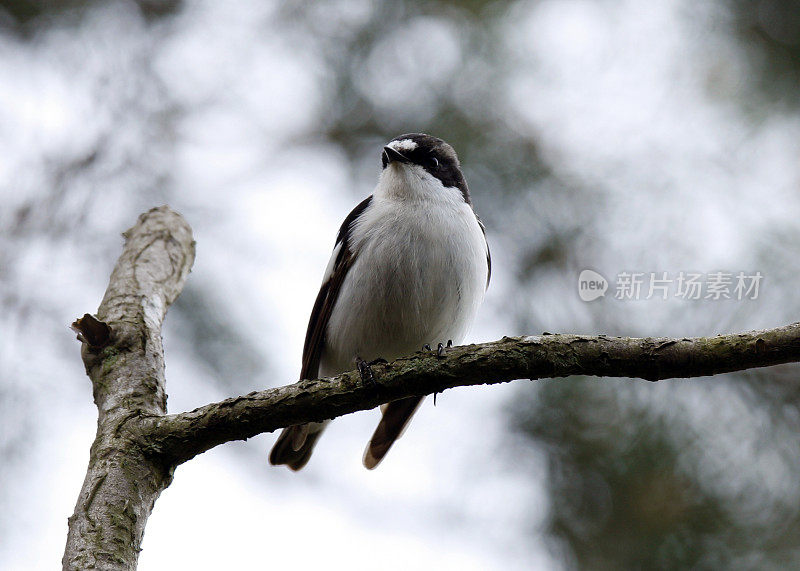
(618,93)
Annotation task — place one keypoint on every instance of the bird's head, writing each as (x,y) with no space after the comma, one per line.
(420,166)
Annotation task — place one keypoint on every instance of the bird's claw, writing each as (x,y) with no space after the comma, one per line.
(441,349)
(365,370)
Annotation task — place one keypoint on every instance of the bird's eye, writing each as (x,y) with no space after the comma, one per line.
(435,162)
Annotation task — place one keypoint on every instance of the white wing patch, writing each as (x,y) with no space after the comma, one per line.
(403,145)
(332,262)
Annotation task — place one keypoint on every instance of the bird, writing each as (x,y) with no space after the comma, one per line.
(408,270)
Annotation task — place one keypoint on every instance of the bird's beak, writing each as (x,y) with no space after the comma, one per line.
(390,155)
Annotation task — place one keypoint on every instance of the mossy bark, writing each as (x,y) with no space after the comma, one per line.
(182,436)
(126,367)
(138,445)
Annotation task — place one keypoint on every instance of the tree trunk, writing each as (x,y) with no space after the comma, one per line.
(125,360)
(138,446)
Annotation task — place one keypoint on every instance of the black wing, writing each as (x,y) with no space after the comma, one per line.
(328,294)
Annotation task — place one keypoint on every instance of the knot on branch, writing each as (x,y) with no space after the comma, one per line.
(92,331)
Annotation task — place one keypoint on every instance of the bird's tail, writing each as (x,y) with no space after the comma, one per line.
(295,444)
(395,418)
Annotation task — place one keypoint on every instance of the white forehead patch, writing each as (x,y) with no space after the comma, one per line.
(403,145)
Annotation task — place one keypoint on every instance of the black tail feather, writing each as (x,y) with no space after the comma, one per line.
(283,452)
(396,415)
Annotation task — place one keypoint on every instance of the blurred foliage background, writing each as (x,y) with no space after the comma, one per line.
(617,136)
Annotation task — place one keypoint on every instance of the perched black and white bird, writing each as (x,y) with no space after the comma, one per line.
(409,269)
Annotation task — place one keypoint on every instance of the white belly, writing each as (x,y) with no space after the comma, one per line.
(419,276)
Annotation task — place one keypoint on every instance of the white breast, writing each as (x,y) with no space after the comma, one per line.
(418,277)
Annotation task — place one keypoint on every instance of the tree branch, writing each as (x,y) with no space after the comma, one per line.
(124,358)
(182,436)
(138,445)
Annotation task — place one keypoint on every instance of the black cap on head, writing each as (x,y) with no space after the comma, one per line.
(432,154)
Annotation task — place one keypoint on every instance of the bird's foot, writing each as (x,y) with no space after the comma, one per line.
(441,349)
(365,369)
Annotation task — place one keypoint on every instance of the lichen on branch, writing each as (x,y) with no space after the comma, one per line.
(138,445)
(124,358)
(182,436)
